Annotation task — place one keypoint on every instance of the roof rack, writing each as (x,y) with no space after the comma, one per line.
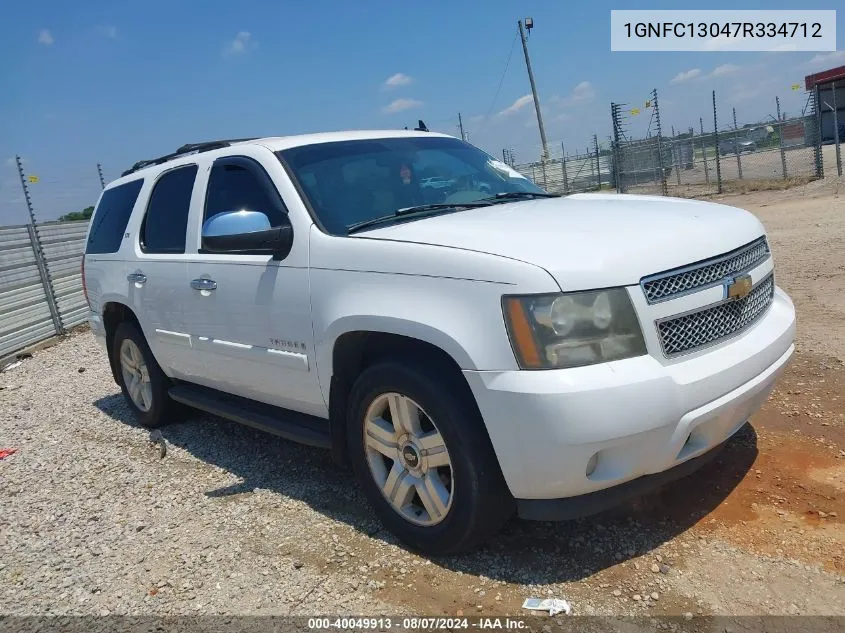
(189,148)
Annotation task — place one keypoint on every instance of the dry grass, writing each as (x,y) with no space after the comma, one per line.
(748,186)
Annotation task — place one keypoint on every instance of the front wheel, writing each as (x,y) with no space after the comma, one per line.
(418,446)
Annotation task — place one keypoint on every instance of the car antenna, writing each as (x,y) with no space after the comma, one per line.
(421,127)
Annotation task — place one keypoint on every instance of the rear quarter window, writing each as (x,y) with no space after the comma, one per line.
(111,216)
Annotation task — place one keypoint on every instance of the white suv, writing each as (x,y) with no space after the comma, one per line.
(471,351)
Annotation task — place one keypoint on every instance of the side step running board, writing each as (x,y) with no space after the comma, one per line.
(291,425)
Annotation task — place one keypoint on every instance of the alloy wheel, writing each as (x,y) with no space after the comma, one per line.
(136,376)
(408,459)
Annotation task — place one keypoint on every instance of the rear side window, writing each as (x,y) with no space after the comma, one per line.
(111,217)
(166,222)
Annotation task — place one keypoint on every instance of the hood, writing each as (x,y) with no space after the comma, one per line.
(588,241)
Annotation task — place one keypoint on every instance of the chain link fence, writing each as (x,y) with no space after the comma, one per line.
(572,173)
(727,157)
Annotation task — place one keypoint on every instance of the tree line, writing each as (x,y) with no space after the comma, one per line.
(85,214)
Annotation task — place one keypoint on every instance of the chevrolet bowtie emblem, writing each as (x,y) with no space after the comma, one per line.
(738,287)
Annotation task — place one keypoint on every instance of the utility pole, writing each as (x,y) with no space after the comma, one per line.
(461,127)
(529,23)
(100,172)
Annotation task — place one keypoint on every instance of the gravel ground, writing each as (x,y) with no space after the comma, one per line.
(94,520)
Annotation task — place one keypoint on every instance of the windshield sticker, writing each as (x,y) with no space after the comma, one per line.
(505,169)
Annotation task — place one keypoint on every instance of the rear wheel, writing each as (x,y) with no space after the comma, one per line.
(418,447)
(143,383)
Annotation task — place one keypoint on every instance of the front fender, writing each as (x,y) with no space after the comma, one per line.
(392,325)
(463,318)
(447,297)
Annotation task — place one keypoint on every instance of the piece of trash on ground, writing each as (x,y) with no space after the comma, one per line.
(157,438)
(5,452)
(11,366)
(552,605)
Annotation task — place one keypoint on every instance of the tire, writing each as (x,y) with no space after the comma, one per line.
(160,408)
(479,502)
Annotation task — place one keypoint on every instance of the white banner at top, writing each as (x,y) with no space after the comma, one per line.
(723,30)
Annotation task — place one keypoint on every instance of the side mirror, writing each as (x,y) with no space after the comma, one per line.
(247,233)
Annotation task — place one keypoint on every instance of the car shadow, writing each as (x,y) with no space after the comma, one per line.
(525,552)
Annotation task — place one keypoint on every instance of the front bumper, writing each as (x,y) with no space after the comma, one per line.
(594,502)
(632,418)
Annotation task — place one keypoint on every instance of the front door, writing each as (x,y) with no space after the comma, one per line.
(249,316)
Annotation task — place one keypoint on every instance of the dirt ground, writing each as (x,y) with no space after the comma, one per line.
(236,522)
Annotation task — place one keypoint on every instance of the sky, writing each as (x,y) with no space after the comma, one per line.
(114,82)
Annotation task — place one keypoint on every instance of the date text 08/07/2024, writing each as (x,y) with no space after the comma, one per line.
(414,623)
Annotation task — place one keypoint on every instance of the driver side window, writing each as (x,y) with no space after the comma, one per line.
(239,183)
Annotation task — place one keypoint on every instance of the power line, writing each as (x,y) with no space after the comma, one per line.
(501,81)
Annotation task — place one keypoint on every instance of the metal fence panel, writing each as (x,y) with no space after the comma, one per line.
(63,246)
(728,158)
(570,174)
(25,317)
(642,165)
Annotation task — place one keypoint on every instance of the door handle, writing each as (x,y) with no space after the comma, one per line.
(203,284)
(138,278)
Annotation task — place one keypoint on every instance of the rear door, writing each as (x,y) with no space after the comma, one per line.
(104,265)
(155,275)
(251,335)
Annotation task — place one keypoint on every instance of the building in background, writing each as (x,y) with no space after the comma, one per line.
(823,84)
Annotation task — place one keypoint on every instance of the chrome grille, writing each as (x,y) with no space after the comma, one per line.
(691,331)
(672,283)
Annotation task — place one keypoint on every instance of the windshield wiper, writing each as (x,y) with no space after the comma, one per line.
(522,195)
(438,206)
(444,206)
(423,208)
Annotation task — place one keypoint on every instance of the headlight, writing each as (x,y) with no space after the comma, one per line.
(573,329)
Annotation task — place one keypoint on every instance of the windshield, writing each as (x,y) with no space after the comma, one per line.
(348,182)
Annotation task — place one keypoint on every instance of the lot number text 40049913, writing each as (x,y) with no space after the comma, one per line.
(416,623)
